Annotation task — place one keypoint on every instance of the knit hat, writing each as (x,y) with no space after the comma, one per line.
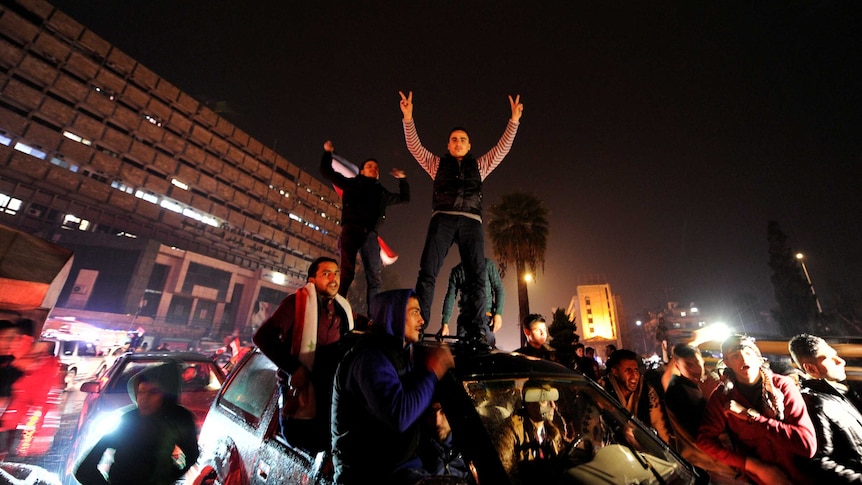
(739,342)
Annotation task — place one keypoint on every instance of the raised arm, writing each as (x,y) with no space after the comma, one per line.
(326,166)
(489,161)
(426,159)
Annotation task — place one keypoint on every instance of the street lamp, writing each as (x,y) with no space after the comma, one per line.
(524,302)
(801,258)
(643,333)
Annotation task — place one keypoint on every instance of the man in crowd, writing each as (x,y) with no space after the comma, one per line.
(686,403)
(436,448)
(531,433)
(835,409)
(382,388)
(625,383)
(302,338)
(764,416)
(536,331)
(457,213)
(146,439)
(364,201)
(495,298)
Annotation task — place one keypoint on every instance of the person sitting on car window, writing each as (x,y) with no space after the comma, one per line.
(382,388)
(436,449)
(145,441)
(303,339)
(625,383)
(834,407)
(531,433)
(764,416)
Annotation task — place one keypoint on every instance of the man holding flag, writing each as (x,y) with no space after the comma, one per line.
(364,201)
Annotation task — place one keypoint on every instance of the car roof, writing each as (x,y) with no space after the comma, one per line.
(183,356)
(478,364)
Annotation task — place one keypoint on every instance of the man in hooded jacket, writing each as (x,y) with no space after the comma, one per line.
(380,394)
(145,440)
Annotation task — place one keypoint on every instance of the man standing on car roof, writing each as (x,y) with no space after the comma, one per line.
(365,200)
(302,338)
(456,216)
(382,388)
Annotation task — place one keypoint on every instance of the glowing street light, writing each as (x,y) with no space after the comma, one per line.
(801,258)
(643,333)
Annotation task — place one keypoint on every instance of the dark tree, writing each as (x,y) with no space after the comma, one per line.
(563,337)
(797,307)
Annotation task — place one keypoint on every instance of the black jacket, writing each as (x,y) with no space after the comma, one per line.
(838,424)
(458,186)
(364,198)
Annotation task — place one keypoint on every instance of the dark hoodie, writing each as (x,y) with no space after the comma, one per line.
(144,444)
(378,399)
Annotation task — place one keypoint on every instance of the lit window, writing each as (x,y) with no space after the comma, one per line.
(682,314)
(693,310)
(29,150)
(180,184)
(171,206)
(71,221)
(5,140)
(9,205)
(147,197)
(79,139)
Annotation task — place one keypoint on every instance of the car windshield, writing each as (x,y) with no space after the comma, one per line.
(196,376)
(599,441)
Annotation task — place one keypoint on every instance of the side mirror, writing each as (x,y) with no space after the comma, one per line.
(89,387)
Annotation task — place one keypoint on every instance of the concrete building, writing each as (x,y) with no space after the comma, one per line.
(180,221)
(598,310)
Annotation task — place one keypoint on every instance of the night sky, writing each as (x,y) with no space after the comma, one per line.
(662,136)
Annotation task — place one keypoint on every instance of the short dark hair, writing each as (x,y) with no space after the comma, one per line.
(27,326)
(620,355)
(579,346)
(532,318)
(312,269)
(459,128)
(369,160)
(685,351)
(804,347)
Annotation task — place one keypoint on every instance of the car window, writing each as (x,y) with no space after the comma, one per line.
(199,376)
(251,389)
(120,381)
(586,420)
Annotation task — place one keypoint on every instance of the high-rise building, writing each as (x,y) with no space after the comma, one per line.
(175,214)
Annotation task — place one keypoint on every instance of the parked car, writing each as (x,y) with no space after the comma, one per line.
(82,359)
(240,442)
(108,398)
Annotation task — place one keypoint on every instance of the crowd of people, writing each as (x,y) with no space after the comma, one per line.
(746,424)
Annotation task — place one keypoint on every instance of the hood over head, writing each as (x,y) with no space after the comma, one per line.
(389,312)
(165,376)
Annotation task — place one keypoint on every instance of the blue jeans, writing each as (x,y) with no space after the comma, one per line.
(353,240)
(443,231)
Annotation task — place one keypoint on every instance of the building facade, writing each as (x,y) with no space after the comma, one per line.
(599,316)
(177,217)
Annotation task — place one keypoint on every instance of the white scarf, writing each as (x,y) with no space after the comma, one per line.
(308,342)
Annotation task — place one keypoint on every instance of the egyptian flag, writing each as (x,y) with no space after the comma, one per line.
(346,168)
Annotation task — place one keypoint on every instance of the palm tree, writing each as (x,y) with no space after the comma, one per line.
(518,228)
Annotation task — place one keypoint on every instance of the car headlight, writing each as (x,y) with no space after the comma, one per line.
(101,425)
